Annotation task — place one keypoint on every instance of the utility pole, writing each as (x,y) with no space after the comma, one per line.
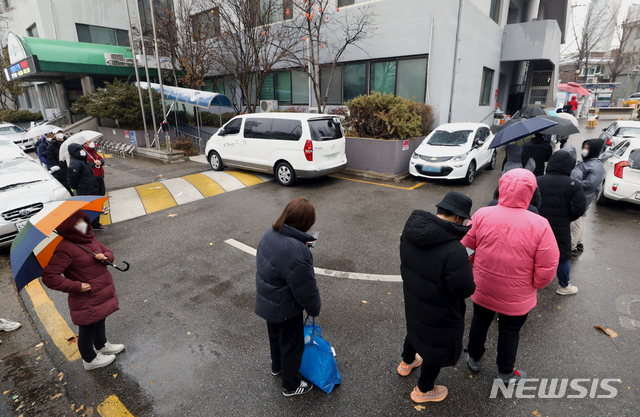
(146,71)
(135,67)
(155,42)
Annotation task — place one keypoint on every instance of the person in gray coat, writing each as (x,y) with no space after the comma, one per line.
(285,288)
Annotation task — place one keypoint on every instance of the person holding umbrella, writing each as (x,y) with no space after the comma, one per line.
(92,294)
(539,150)
(98,171)
(58,167)
(80,176)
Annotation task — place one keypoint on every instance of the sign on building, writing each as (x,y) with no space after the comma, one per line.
(27,66)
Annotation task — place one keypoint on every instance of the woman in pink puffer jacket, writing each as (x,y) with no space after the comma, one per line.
(516,254)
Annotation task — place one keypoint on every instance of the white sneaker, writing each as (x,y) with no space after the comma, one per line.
(9,326)
(569,290)
(110,349)
(98,362)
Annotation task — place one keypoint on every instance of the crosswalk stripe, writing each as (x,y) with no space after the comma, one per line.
(226,181)
(125,204)
(205,185)
(155,197)
(246,178)
(182,190)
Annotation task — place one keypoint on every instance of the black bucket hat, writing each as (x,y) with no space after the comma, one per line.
(457,203)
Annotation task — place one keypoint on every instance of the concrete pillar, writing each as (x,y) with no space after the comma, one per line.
(532,10)
(61,97)
(87,85)
(40,101)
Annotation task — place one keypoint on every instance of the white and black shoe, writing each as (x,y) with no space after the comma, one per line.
(302,389)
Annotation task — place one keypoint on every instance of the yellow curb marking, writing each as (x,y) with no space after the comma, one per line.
(155,197)
(204,184)
(246,178)
(420,184)
(52,321)
(113,407)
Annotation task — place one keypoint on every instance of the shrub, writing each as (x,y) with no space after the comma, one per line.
(19,116)
(425,112)
(186,145)
(210,119)
(295,109)
(383,116)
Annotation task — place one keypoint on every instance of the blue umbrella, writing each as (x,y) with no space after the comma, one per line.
(520,129)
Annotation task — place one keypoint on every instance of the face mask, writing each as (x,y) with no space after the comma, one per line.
(82,227)
(92,145)
(60,136)
(83,153)
(585,153)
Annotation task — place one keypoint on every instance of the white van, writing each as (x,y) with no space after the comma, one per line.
(289,145)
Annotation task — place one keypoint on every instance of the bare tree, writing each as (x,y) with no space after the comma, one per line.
(623,56)
(10,91)
(253,40)
(326,32)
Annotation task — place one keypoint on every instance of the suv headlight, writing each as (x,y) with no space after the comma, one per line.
(60,193)
(415,156)
(460,157)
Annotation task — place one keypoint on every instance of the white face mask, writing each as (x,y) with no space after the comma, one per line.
(60,136)
(83,153)
(585,153)
(82,227)
(92,145)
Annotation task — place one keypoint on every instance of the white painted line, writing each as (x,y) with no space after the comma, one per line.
(200,158)
(125,204)
(226,181)
(182,190)
(325,272)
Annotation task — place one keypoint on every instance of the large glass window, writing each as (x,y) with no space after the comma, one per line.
(383,77)
(48,96)
(494,11)
(283,86)
(255,128)
(325,129)
(485,93)
(345,2)
(354,81)
(102,35)
(283,129)
(268,88)
(334,96)
(300,87)
(412,79)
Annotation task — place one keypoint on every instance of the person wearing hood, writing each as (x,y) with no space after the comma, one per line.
(563,201)
(437,277)
(58,167)
(98,171)
(92,293)
(516,254)
(513,159)
(573,105)
(590,172)
(539,150)
(285,288)
(41,148)
(81,178)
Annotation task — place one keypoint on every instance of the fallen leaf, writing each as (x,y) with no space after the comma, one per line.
(39,345)
(172,215)
(160,176)
(56,396)
(144,301)
(164,381)
(81,407)
(60,376)
(115,376)
(21,405)
(536,413)
(6,392)
(210,244)
(364,302)
(419,407)
(609,333)
(188,333)
(470,376)
(38,358)
(133,366)
(150,382)
(389,293)
(73,339)
(559,308)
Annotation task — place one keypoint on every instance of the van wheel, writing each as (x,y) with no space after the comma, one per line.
(215,161)
(601,199)
(285,174)
(492,162)
(471,173)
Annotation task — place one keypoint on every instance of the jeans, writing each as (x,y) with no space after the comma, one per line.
(428,374)
(508,336)
(564,268)
(286,340)
(90,336)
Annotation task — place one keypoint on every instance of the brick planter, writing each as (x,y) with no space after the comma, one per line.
(380,158)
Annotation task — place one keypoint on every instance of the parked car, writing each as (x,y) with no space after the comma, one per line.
(619,130)
(17,135)
(454,151)
(622,181)
(289,145)
(25,187)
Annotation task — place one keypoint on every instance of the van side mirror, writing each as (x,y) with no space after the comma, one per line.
(221,132)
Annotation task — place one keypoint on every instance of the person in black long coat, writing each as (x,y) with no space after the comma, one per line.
(539,150)
(53,161)
(563,201)
(81,178)
(285,288)
(437,277)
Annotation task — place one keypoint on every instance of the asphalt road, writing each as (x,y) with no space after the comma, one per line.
(195,347)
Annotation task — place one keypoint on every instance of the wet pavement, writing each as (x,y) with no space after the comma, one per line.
(195,347)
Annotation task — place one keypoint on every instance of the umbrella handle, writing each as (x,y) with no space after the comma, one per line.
(126,268)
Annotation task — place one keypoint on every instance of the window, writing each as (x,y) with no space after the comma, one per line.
(354,81)
(283,129)
(485,93)
(383,77)
(444,138)
(283,86)
(257,128)
(32,31)
(345,2)
(273,11)
(412,79)
(268,88)
(48,96)
(102,35)
(206,24)
(300,87)
(622,149)
(634,159)
(494,11)
(233,127)
(334,96)
(325,129)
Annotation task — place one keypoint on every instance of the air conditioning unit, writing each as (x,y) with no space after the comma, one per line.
(128,62)
(267,106)
(592,80)
(114,59)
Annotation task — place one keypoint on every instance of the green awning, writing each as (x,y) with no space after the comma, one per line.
(65,57)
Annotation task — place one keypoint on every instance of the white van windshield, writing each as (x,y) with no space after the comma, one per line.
(325,129)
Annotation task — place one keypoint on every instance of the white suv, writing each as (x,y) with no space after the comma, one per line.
(17,135)
(289,145)
(622,181)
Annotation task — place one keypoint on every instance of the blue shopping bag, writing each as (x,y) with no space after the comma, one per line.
(318,364)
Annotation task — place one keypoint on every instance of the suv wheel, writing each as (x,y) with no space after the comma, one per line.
(492,163)
(285,174)
(471,173)
(601,200)
(215,161)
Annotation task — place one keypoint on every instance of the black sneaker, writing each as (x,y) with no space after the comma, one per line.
(580,247)
(516,376)
(302,389)
(574,252)
(275,372)
(473,364)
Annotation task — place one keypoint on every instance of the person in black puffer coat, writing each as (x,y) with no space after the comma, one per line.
(53,161)
(285,288)
(437,276)
(80,173)
(539,150)
(563,201)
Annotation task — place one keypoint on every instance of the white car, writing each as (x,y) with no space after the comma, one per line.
(454,151)
(618,131)
(622,181)
(25,187)
(289,145)
(17,135)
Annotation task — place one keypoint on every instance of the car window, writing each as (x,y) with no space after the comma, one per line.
(255,128)
(233,127)
(484,133)
(444,138)
(325,129)
(612,127)
(283,129)
(619,145)
(634,159)
(628,131)
(622,149)
(9,130)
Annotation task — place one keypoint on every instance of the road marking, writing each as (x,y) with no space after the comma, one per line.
(113,407)
(125,205)
(226,181)
(205,185)
(182,190)
(105,219)
(52,321)
(155,197)
(420,184)
(322,271)
(246,178)
(623,305)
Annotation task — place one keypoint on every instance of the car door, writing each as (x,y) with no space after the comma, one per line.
(607,133)
(480,146)
(231,143)
(256,146)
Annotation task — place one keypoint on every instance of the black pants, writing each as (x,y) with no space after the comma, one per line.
(101,191)
(287,345)
(428,374)
(91,335)
(508,336)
